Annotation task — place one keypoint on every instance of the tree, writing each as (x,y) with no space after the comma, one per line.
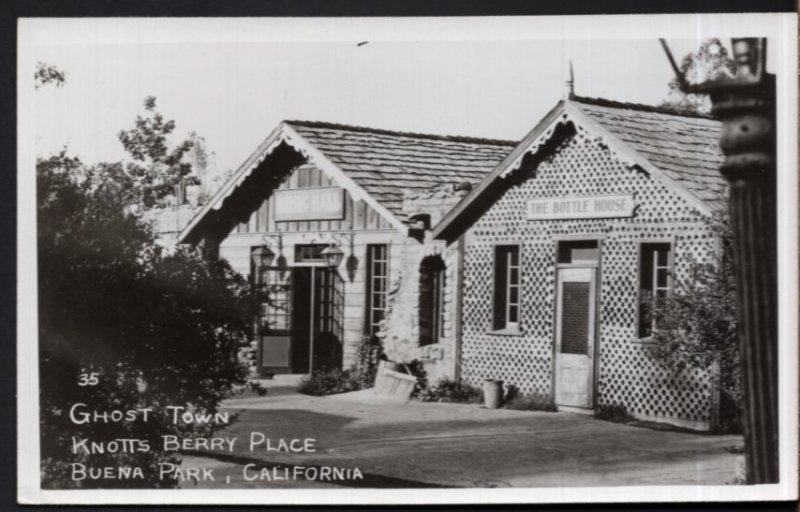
(156,329)
(709,62)
(156,169)
(204,168)
(696,323)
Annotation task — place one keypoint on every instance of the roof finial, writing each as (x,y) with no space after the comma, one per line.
(569,92)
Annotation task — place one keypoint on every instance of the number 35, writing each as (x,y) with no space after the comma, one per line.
(88,379)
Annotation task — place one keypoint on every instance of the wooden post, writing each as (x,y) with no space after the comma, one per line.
(312,322)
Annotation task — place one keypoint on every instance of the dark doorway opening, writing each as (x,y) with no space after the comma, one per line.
(301,319)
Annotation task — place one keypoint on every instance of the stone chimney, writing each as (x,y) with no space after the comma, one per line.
(434,202)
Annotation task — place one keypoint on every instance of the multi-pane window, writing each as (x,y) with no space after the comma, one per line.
(329,291)
(377,286)
(654,283)
(506,287)
(273,289)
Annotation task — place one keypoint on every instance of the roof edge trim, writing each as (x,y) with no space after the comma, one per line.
(284,133)
(263,150)
(590,131)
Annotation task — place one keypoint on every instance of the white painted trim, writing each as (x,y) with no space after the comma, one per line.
(592,132)
(264,149)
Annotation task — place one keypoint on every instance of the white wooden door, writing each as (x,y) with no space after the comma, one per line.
(575,334)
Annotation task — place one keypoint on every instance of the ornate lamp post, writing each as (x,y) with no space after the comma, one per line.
(746,106)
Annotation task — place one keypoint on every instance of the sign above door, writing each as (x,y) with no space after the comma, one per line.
(326,203)
(585,207)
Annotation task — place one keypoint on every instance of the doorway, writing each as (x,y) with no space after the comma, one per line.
(301,316)
(575,324)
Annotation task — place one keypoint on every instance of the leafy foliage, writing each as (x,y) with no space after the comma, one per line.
(711,61)
(449,390)
(697,322)
(156,169)
(515,400)
(370,354)
(417,369)
(330,381)
(159,329)
(204,167)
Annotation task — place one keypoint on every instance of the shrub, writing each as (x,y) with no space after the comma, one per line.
(155,329)
(360,376)
(513,399)
(331,382)
(448,390)
(697,324)
(616,413)
(417,369)
(250,389)
(370,354)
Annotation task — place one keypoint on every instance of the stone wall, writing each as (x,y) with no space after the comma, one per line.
(401,333)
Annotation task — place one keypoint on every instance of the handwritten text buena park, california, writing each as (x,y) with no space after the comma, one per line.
(255,442)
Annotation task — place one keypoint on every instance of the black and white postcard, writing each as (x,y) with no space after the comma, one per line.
(407,260)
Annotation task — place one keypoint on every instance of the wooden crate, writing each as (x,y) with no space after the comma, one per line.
(390,382)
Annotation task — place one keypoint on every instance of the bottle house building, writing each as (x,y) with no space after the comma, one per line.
(569,243)
(537,262)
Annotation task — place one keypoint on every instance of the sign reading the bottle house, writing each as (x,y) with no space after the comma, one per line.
(592,207)
(325,203)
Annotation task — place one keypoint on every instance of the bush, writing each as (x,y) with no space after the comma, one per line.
(370,354)
(527,402)
(360,376)
(697,324)
(156,329)
(331,382)
(448,390)
(250,389)
(417,369)
(616,413)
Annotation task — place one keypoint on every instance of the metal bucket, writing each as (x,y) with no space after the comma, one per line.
(492,393)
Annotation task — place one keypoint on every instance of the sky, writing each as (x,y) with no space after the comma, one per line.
(234,92)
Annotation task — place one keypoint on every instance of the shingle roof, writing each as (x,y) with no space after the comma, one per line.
(386,163)
(684,147)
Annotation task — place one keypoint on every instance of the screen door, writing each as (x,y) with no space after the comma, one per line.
(575,330)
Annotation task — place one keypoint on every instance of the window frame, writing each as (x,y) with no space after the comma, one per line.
(507,327)
(370,326)
(438,315)
(670,242)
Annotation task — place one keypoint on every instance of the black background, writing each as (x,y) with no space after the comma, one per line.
(12,10)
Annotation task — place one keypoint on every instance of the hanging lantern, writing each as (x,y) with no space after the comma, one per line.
(262,256)
(333,256)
